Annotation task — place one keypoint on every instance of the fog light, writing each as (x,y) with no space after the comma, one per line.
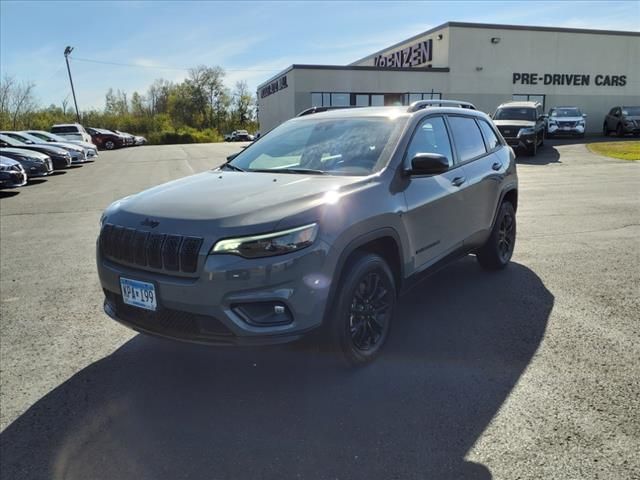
(263,314)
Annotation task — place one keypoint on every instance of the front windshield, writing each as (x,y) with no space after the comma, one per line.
(33,138)
(515,113)
(337,146)
(632,111)
(566,112)
(11,141)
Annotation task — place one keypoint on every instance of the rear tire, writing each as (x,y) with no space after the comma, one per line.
(109,145)
(496,253)
(362,314)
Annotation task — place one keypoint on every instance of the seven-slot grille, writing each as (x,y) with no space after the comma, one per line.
(507,131)
(148,249)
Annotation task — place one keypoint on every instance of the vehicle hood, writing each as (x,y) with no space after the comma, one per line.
(66,146)
(228,203)
(514,123)
(47,149)
(24,152)
(6,161)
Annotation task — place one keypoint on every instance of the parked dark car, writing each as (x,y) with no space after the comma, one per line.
(35,164)
(78,154)
(622,120)
(59,157)
(12,173)
(105,139)
(318,224)
(522,124)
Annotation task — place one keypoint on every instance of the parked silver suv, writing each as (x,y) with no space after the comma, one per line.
(319,223)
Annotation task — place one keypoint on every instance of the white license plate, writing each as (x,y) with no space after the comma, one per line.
(139,294)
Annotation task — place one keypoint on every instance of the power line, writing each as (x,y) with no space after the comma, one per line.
(160,67)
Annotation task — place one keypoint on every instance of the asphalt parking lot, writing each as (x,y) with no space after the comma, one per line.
(529,373)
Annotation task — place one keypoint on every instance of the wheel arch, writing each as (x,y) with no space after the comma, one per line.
(384,242)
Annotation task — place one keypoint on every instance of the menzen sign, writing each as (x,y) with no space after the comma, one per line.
(412,56)
(273,87)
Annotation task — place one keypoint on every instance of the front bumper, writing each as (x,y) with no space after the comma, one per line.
(40,169)
(521,142)
(556,130)
(209,308)
(60,162)
(12,179)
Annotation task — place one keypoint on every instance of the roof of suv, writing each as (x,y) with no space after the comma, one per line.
(391,111)
(520,104)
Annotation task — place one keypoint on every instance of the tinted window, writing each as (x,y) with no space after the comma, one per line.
(565,112)
(467,137)
(431,137)
(633,111)
(489,135)
(64,130)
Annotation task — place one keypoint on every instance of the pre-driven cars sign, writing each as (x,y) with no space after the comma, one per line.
(571,79)
(412,56)
(275,86)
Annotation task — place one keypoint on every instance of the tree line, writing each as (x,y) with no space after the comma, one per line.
(198,109)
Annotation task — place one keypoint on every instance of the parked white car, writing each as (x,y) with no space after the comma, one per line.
(90,149)
(64,129)
(566,121)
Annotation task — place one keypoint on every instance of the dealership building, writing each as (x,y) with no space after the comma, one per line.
(485,64)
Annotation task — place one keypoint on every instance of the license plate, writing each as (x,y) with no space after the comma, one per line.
(139,294)
(566,128)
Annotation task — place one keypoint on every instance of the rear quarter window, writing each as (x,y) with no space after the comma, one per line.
(467,138)
(64,130)
(489,135)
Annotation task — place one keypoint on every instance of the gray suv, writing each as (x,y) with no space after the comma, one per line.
(317,226)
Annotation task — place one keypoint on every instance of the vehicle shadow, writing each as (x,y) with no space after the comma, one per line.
(546,154)
(156,409)
(589,139)
(35,181)
(8,193)
(55,173)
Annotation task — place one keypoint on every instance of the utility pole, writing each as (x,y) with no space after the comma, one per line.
(67,51)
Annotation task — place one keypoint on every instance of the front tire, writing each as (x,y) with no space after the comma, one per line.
(620,130)
(533,149)
(361,318)
(496,253)
(605,130)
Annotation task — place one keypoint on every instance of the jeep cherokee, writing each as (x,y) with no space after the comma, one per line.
(319,223)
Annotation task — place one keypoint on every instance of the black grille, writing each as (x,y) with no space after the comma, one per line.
(509,131)
(168,322)
(156,250)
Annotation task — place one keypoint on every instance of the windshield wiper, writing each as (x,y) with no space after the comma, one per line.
(232,167)
(310,171)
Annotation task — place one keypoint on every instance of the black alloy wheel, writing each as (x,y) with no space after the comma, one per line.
(370,307)
(506,236)
(362,316)
(497,251)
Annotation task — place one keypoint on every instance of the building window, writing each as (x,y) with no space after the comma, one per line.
(377,100)
(340,100)
(316,99)
(362,100)
(409,98)
(526,97)
(326,99)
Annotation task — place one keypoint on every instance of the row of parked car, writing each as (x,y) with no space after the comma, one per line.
(524,125)
(36,153)
(103,138)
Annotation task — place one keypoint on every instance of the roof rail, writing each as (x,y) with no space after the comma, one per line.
(311,110)
(420,104)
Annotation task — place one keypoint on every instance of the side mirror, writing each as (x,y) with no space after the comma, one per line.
(429,164)
(543,117)
(584,115)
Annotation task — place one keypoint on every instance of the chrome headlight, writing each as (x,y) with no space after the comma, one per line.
(269,244)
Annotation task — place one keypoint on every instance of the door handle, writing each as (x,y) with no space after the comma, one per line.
(496,166)
(456,182)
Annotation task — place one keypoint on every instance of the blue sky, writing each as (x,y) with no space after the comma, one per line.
(251,41)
